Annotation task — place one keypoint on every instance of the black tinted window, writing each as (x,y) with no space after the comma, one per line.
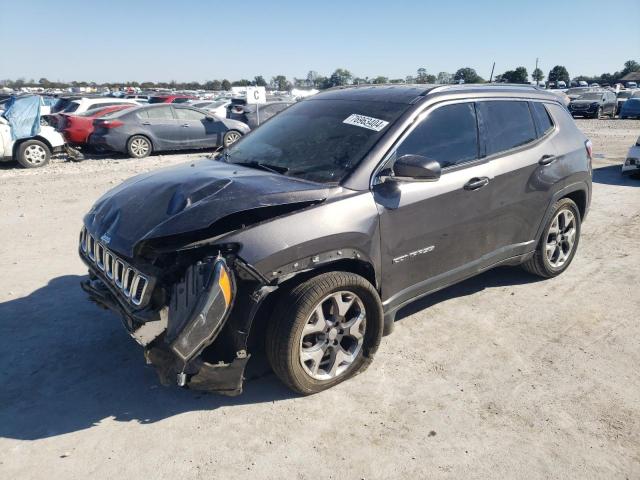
(449,135)
(180,100)
(508,124)
(161,113)
(543,120)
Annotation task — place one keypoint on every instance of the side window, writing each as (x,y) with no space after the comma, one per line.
(160,113)
(188,114)
(542,118)
(449,134)
(507,124)
(180,100)
(143,114)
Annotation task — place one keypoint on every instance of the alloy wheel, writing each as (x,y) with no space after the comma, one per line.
(333,335)
(139,147)
(231,138)
(35,154)
(561,238)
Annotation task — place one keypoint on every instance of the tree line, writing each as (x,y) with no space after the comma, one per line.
(341,77)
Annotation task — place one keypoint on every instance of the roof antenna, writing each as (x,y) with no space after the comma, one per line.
(491,77)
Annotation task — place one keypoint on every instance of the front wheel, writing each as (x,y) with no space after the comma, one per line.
(230,137)
(33,154)
(559,241)
(598,114)
(139,146)
(324,331)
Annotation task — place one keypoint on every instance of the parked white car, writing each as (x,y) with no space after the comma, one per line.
(631,165)
(217,108)
(81,105)
(29,152)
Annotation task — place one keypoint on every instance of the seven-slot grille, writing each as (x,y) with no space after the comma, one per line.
(129,281)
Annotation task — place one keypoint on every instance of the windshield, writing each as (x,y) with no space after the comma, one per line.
(60,105)
(318,140)
(591,96)
(72,107)
(157,99)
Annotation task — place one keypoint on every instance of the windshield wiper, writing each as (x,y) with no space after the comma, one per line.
(263,166)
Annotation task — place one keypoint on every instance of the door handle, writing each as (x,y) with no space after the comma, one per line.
(186,125)
(146,123)
(476,183)
(547,159)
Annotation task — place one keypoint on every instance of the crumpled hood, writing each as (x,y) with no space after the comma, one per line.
(187,198)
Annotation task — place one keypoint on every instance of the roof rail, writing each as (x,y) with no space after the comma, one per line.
(484,85)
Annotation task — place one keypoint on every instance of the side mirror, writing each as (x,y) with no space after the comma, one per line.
(210,118)
(416,168)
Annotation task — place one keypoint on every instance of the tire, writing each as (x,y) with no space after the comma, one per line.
(325,350)
(549,261)
(230,137)
(598,114)
(33,154)
(139,146)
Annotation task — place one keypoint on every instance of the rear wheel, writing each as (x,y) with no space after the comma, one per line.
(598,113)
(559,241)
(230,137)
(33,154)
(139,146)
(324,331)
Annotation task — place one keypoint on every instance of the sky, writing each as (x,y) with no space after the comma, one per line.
(187,40)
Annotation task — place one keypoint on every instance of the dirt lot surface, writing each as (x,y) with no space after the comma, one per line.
(502,376)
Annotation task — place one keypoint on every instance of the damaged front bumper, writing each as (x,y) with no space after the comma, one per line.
(175,335)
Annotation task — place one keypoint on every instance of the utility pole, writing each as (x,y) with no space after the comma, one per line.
(535,80)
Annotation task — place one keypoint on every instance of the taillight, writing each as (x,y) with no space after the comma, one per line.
(110,123)
(589,146)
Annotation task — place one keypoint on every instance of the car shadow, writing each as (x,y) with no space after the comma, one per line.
(497,277)
(68,365)
(611,175)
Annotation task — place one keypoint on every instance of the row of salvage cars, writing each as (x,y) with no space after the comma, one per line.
(105,124)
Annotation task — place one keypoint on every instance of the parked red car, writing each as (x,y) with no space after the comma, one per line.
(77,128)
(171,98)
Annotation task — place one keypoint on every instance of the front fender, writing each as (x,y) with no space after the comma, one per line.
(340,228)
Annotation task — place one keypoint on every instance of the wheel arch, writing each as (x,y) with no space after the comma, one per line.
(153,146)
(578,192)
(360,267)
(20,141)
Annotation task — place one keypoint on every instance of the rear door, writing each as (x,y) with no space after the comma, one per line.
(433,233)
(518,140)
(160,124)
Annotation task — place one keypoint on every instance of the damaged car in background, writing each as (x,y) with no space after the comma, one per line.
(311,232)
(24,139)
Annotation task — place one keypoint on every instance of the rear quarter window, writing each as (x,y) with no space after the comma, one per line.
(542,118)
(507,124)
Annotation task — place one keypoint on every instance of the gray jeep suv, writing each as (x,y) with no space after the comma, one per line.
(310,233)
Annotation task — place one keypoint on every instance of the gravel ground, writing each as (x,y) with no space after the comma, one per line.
(502,376)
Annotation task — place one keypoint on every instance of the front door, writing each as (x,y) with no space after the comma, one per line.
(434,233)
(200,131)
